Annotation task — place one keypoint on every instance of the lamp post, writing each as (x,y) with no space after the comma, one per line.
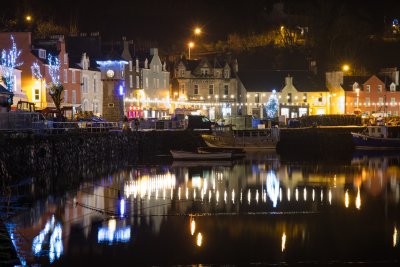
(197,31)
(190,45)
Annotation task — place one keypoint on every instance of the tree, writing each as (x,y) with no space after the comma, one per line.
(9,61)
(55,87)
(272,105)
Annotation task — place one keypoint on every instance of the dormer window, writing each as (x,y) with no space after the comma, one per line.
(368,88)
(182,73)
(380,88)
(42,53)
(392,87)
(226,74)
(204,71)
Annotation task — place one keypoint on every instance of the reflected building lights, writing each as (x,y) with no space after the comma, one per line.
(192,226)
(257,196)
(146,185)
(225,196)
(241,195)
(122,207)
(187,193)
(346,199)
(297,194)
(358,199)
(112,233)
(330,197)
(395,237)
(280,194)
(217,196)
(233,196)
(199,240)
(313,194)
(322,195)
(209,195)
(273,188)
(288,194)
(283,247)
(179,193)
(249,197)
(194,194)
(305,194)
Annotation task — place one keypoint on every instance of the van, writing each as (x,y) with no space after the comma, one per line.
(198,122)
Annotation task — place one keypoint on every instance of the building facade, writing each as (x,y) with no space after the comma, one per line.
(209,87)
(91,87)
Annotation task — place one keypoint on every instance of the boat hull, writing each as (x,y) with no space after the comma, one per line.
(185,155)
(365,142)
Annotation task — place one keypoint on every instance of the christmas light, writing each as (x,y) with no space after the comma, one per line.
(54,69)
(36,74)
(9,63)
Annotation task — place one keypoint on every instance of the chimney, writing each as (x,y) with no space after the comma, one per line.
(154,51)
(288,80)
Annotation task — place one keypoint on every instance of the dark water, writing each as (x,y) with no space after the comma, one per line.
(259,210)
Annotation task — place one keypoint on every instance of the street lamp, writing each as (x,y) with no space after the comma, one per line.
(28,18)
(190,45)
(197,31)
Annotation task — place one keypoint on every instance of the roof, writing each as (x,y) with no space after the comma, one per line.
(268,80)
(348,81)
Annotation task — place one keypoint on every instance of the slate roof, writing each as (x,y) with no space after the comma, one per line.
(348,81)
(4,91)
(268,80)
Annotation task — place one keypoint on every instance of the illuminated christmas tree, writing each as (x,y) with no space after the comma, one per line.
(271,108)
(55,87)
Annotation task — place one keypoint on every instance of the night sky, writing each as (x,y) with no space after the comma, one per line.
(170,21)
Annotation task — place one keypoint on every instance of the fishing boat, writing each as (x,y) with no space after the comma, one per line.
(188,155)
(381,137)
(245,139)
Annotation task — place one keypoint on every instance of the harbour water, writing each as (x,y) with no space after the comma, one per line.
(258,210)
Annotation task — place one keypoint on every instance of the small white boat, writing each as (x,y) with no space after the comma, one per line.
(187,155)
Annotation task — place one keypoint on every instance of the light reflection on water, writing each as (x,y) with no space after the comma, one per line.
(152,204)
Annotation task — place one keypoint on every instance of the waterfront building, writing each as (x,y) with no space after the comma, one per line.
(206,86)
(300,92)
(37,52)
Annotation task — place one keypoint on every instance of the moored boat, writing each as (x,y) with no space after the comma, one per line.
(244,139)
(380,137)
(187,155)
(236,152)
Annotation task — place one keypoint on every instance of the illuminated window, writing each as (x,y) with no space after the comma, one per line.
(380,88)
(137,81)
(94,84)
(65,96)
(380,101)
(84,85)
(367,101)
(368,88)
(73,97)
(130,65)
(226,74)
(392,100)
(257,98)
(182,88)
(392,87)
(130,80)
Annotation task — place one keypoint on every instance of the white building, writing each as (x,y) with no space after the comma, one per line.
(91,87)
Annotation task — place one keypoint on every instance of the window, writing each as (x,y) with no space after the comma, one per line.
(130,65)
(165,83)
(368,88)
(196,89)
(305,97)
(137,81)
(65,58)
(257,98)
(211,89)
(367,101)
(380,88)
(73,77)
(147,82)
(37,94)
(84,85)
(85,105)
(226,89)
(396,113)
(226,74)
(289,97)
(392,87)
(204,71)
(320,98)
(94,84)
(392,100)
(65,76)
(73,97)
(65,96)
(158,83)
(182,88)
(130,80)
(381,101)
(42,53)
(95,106)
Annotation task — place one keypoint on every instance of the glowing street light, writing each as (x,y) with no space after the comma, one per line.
(345,68)
(197,31)
(190,45)
(28,18)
